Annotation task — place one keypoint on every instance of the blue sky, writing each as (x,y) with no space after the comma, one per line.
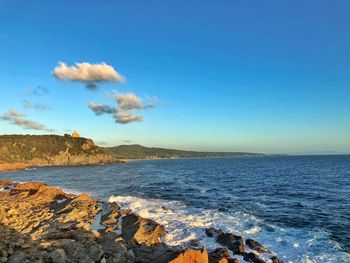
(266,76)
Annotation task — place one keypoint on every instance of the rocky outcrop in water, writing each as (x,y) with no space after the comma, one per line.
(40,223)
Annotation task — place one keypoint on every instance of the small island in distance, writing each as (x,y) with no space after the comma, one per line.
(25,151)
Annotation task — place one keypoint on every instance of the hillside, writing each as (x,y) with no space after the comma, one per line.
(20,151)
(140,152)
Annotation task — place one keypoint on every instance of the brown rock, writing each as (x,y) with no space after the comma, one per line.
(32,187)
(191,256)
(110,218)
(212,232)
(141,230)
(252,257)
(59,256)
(219,255)
(255,245)
(232,242)
(275,259)
(84,197)
(155,254)
(7,183)
(49,193)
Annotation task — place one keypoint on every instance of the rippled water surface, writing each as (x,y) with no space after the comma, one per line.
(297,206)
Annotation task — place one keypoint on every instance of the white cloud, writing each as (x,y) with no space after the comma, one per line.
(124,112)
(100,109)
(129,101)
(90,74)
(125,117)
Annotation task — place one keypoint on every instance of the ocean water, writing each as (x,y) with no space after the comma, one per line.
(297,206)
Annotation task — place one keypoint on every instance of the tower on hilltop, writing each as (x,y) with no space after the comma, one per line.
(75,134)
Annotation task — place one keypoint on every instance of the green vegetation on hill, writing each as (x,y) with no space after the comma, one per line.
(140,152)
(42,150)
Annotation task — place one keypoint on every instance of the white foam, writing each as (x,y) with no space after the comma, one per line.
(184,224)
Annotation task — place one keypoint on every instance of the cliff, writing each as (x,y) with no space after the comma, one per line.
(21,151)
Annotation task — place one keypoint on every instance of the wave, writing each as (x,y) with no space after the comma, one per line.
(183,224)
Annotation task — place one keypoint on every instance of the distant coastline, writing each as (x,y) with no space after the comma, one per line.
(139,152)
(19,152)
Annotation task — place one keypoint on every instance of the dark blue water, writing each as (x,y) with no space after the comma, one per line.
(310,194)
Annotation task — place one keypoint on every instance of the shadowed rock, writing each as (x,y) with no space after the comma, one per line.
(221,255)
(212,232)
(232,242)
(252,257)
(255,245)
(275,259)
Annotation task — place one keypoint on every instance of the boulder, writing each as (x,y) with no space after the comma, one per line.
(252,257)
(58,256)
(221,255)
(155,254)
(275,259)
(6,184)
(32,187)
(255,245)
(141,230)
(110,218)
(191,256)
(49,194)
(232,242)
(212,232)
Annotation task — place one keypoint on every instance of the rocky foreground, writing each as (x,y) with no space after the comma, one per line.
(40,223)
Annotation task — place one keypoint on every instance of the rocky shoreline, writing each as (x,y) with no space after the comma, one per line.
(41,223)
(24,166)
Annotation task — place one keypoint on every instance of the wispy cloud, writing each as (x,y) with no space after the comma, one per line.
(16,118)
(125,117)
(38,91)
(90,74)
(124,112)
(100,109)
(35,106)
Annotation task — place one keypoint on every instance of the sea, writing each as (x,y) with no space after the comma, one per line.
(296,206)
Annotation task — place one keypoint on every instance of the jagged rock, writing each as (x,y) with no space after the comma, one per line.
(58,256)
(114,251)
(156,254)
(195,243)
(94,251)
(221,255)
(275,259)
(255,245)
(110,218)
(6,184)
(232,242)
(191,256)
(252,257)
(17,258)
(212,232)
(32,187)
(141,230)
